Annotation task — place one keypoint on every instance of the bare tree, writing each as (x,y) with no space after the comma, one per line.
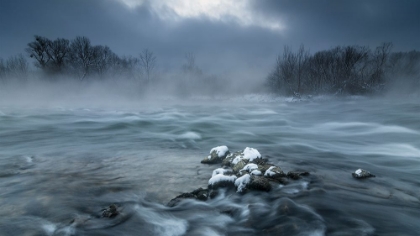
(147,62)
(39,50)
(103,59)
(2,69)
(17,67)
(58,51)
(380,58)
(82,55)
(302,58)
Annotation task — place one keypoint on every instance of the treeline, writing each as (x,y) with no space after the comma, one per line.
(344,70)
(77,58)
(80,60)
(14,67)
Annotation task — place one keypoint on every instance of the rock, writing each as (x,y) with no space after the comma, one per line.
(249,168)
(227,162)
(362,174)
(247,155)
(251,154)
(110,212)
(217,154)
(199,194)
(239,166)
(274,172)
(259,183)
(242,182)
(252,182)
(224,171)
(296,175)
(213,193)
(221,180)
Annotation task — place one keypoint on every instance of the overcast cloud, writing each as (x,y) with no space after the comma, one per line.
(225,35)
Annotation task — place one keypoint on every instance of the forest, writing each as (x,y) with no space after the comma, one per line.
(341,70)
(354,70)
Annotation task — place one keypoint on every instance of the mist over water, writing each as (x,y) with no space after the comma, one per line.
(65,159)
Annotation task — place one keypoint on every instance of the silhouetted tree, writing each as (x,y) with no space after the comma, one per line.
(103,59)
(82,55)
(380,57)
(147,62)
(39,51)
(16,67)
(2,69)
(58,51)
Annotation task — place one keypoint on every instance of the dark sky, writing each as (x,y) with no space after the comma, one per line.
(224,35)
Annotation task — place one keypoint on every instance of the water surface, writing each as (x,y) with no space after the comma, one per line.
(61,165)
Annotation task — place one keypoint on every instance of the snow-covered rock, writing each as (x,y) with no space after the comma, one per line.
(222,171)
(221,180)
(217,154)
(256,172)
(221,151)
(361,174)
(242,182)
(251,154)
(274,172)
(239,166)
(252,182)
(251,168)
(247,155)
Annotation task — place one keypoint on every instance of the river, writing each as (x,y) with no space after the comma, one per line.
(60,165)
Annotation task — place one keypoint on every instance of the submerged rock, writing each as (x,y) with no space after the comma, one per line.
(296,175)
(217,155)
(199,194)
(362,174)
(110,212)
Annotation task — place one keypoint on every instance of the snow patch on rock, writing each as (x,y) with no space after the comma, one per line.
(221,178)
(241,182)
(251,154)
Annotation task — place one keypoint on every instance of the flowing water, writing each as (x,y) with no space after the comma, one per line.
(60,166)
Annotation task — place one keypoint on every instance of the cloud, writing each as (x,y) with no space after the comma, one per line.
(226,11)
(224,35)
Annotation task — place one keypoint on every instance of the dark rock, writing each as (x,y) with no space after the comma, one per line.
(259,183)
(110,212)
(199,194)
(264,167)
(213,194)
(211,159)
(260,161)
(296,175)
(362,174)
